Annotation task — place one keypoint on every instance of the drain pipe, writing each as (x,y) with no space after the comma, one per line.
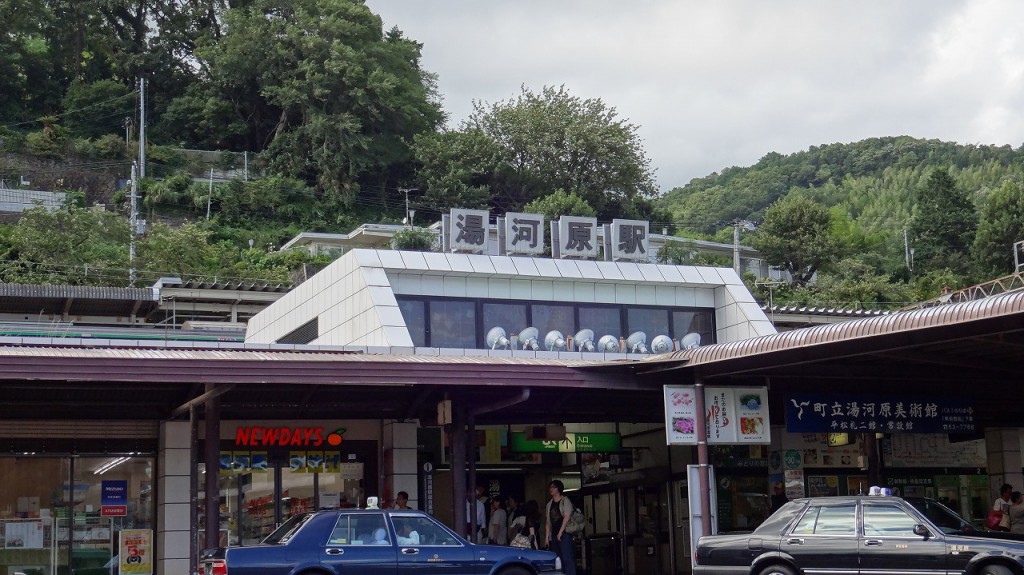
(524,394)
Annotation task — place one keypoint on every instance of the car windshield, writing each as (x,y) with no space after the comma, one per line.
(283,533)
(943,517)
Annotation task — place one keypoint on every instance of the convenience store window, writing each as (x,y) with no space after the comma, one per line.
(52,504)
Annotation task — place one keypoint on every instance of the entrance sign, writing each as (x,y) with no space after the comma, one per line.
(629,239)
(735,415)
(573,443)
(524,233)
(135,552)
(825,412)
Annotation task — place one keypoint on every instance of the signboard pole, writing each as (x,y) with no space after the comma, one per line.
(702,456)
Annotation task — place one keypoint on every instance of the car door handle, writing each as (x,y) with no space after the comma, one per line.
(795,541)
(873,542)
(410,551)
(334,551)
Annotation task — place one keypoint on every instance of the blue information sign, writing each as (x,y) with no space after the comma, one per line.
(114,498)
(826,412)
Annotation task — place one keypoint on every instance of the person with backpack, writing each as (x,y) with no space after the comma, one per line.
(556,519)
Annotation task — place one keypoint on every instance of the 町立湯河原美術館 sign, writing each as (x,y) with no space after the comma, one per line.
(877,413)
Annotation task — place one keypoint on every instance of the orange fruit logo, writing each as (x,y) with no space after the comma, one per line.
(335,438)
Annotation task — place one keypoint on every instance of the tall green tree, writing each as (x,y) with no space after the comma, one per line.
(335,100)
(943,226)
(796,235)
(524,148)
(1001,225)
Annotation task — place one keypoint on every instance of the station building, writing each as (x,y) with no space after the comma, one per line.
(388,369)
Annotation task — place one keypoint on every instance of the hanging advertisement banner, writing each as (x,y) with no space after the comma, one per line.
(734,415)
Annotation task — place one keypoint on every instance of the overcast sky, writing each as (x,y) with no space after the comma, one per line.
(713,84)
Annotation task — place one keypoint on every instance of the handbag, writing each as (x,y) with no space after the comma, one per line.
(994,518)
(522,541)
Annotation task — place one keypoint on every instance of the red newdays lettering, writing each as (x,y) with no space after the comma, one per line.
(269,435)
(284,436)
(242,436)
(318,434)
(297,437)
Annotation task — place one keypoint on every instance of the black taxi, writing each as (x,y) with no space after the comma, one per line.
(868,535)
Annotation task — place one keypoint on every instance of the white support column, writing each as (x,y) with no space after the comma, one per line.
(1002,447)
(400,470)
(173,526)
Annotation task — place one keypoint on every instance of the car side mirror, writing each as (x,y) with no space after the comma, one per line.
(922,530)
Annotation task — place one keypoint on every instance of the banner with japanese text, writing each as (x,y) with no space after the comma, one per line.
(824,412)
(734,415)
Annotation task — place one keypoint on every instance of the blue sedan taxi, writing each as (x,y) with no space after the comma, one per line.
(373,542)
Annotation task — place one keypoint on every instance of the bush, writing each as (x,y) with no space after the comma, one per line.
(111,147)
(11,141)
(43,144)
(166,156)
(83,149)
(414,240)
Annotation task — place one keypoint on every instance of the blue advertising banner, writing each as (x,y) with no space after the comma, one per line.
(114,498)
(826,412)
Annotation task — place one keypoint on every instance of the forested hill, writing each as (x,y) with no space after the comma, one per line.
(871,181)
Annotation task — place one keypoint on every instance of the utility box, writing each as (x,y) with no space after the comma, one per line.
(603,554)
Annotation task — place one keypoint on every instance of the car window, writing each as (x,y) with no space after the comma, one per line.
(283,533)
(828,520)
(943,517)
(422,531)
(362,529)
(888,521)
(780,519)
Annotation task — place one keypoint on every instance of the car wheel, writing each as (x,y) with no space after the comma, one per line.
(514,570)
(991,569)
(780,569)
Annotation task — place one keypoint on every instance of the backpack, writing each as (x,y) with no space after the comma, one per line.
(577,522)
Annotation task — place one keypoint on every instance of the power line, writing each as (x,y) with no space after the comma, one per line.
(74,111)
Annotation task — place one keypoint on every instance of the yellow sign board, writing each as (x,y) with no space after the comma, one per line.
(135,552)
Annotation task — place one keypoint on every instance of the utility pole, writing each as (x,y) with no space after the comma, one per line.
(408,214)
(142,128)
(209,195)
(736,246)
(133,222)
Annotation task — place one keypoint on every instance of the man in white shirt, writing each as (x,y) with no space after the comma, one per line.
(498,530)
(481,517)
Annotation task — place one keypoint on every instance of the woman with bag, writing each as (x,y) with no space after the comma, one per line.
(998,517)
(527,536)
(556,518)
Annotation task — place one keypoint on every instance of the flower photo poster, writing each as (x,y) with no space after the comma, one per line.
(734,416)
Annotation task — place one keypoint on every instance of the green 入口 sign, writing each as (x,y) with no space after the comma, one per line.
(573,443)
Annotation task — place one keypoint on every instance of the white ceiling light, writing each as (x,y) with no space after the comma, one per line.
(528,338)
(661,344)
(496,338)
(690,341)
(110,464)
(636,342)
(554,341)
(584,340)
(608,344)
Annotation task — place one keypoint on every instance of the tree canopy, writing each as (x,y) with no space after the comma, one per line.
(796,236)
(513,152)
